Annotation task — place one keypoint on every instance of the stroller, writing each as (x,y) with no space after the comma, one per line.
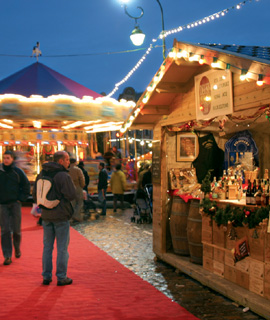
(89,206)
(143,205)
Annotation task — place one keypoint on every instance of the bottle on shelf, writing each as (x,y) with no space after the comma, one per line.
(258,194)
(253,192)
(267,196)
(248,194)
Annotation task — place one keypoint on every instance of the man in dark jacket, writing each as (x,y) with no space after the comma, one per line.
(14,188)
(86,176)
(56,220)
(102,187)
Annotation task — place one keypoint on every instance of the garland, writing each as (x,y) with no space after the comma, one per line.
(237,216)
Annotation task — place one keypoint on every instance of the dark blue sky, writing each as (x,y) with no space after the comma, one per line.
(88,29)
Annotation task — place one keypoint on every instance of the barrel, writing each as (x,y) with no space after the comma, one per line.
(194,232)
(178,226)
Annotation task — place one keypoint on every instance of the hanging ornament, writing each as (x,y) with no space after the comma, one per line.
(232,234)
(255,234)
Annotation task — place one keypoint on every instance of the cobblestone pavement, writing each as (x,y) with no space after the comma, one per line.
(131,245)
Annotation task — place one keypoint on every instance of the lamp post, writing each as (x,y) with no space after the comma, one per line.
(138,31)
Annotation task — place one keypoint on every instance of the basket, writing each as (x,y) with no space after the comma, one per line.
(251,175)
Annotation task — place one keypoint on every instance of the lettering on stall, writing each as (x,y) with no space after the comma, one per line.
(156,162)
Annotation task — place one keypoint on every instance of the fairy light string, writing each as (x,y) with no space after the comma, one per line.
(165,34)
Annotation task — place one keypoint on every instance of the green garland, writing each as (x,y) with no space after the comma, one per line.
(238,216)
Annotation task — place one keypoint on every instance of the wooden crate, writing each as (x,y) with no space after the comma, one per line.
(218,268)
(256,285)
(208,251)
(267,248)
(207,229)
(242,279)
(241,232)
(267,272)
(219,255)
(243,265)
(256,268)
(228,258)
(208,264)
(256,246)
(219,235)
(230,273)
(266,290)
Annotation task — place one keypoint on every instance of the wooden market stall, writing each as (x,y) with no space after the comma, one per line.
(211,91)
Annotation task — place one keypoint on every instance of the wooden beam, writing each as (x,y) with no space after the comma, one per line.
(171,87)
(155,110)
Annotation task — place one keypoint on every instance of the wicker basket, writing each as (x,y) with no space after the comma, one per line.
(251,175)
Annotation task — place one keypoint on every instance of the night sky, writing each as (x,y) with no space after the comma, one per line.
(81,38)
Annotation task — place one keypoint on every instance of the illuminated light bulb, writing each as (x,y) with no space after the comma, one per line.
(238,6)
(172,54)
(201,107)
(215,87)
(215,63)
(260,80)
(122,129)
(145,99)
(150,145)
(130,140)
(202,61)
(150,88)
(207,98)
(243,75)
(179,54)
(184,54)
(142,143)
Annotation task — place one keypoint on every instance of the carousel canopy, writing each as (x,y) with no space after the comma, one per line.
(38,79)
(39,97)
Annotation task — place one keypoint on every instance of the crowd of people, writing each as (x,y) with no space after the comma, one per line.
(68,181)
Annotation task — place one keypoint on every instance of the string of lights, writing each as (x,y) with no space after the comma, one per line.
(76,54)
(165,34)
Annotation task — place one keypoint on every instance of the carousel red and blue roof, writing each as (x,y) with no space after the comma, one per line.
(39,97)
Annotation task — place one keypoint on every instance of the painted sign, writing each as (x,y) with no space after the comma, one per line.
(213,94)
(156,162)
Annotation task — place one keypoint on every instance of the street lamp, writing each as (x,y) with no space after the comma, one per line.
(137,36)
(137,33)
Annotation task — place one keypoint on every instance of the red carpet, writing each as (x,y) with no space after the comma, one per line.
(102,288)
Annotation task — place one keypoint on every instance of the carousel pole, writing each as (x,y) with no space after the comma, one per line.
(135,156)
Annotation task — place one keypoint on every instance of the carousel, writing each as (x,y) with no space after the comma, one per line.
(42,111)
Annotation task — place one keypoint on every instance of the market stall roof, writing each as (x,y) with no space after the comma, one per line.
(175,77)
(38,79)
(38,96)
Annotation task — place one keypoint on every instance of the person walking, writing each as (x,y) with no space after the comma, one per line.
(86,176)
(79,182)
(102,187)
(145,168)
(14,188)
(56,220)
(118,185)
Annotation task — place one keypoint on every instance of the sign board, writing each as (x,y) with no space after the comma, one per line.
(156,162)
(213,94)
